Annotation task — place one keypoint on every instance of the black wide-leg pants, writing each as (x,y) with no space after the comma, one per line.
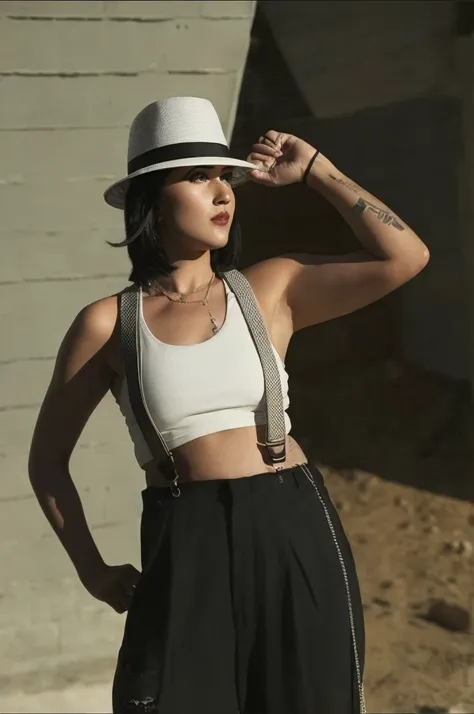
(242,606)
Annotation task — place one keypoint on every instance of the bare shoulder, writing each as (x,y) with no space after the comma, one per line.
(93,332)
(98,319)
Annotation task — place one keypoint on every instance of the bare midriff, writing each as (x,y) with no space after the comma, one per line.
(230,454)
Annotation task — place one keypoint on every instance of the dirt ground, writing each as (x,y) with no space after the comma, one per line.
(395,446)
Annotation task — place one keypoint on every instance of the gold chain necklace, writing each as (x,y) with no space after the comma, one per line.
(204,301)
(181,295)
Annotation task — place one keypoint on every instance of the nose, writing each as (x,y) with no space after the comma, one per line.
(223,193)
(223,198)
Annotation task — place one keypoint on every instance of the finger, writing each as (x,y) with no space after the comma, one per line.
(131,590)
(262,161)
(121,599)
(119,605)
(264,139)
(265,151)
(271,136)
(257,156)
(260,170)
(132,572)
(130,584)
(262,176)
(132,576)
(122,602)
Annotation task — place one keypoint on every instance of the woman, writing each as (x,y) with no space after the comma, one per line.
(248,600)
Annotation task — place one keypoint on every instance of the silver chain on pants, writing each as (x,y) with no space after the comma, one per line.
(360,685)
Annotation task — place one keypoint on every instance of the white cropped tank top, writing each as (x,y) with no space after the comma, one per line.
(194,390)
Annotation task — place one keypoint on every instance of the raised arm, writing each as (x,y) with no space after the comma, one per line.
(315,288)
(81,378)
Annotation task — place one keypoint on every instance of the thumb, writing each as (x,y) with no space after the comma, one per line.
(260,176)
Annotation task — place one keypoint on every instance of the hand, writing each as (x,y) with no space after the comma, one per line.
(284,158)
(112,584)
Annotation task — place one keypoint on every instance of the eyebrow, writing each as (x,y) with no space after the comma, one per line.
(224,168)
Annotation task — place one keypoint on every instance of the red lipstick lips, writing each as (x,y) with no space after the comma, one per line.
(221,219)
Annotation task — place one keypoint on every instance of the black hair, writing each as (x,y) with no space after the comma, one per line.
(145,249)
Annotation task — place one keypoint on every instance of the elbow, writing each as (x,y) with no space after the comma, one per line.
(418,262)
(423,261)
(402,270)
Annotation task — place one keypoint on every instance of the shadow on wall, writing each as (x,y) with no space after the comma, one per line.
(356,403)
(391,418)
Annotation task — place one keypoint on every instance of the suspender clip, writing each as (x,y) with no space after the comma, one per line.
(277,451)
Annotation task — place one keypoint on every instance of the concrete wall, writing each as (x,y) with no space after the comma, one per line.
(464,63)
(72,76)
(381,82)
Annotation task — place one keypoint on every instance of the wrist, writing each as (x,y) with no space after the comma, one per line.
(319,173)
(89,565)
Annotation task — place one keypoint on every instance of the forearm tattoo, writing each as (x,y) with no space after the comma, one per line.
(351,186)
(383,214)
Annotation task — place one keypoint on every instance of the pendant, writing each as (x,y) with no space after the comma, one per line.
(181,298)
(215,327)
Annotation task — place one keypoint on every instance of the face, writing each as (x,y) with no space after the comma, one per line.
(191,198)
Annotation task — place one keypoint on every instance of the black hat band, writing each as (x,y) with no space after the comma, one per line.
(172,152)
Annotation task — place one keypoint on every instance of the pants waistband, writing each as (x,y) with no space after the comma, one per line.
(293,474)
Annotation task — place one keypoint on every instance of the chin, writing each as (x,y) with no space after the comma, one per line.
(215,243)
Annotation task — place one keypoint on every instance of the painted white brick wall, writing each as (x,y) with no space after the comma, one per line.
(72,76)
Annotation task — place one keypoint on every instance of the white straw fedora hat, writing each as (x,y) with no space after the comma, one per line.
(178,131)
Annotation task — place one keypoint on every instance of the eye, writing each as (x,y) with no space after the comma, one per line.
(198,175)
